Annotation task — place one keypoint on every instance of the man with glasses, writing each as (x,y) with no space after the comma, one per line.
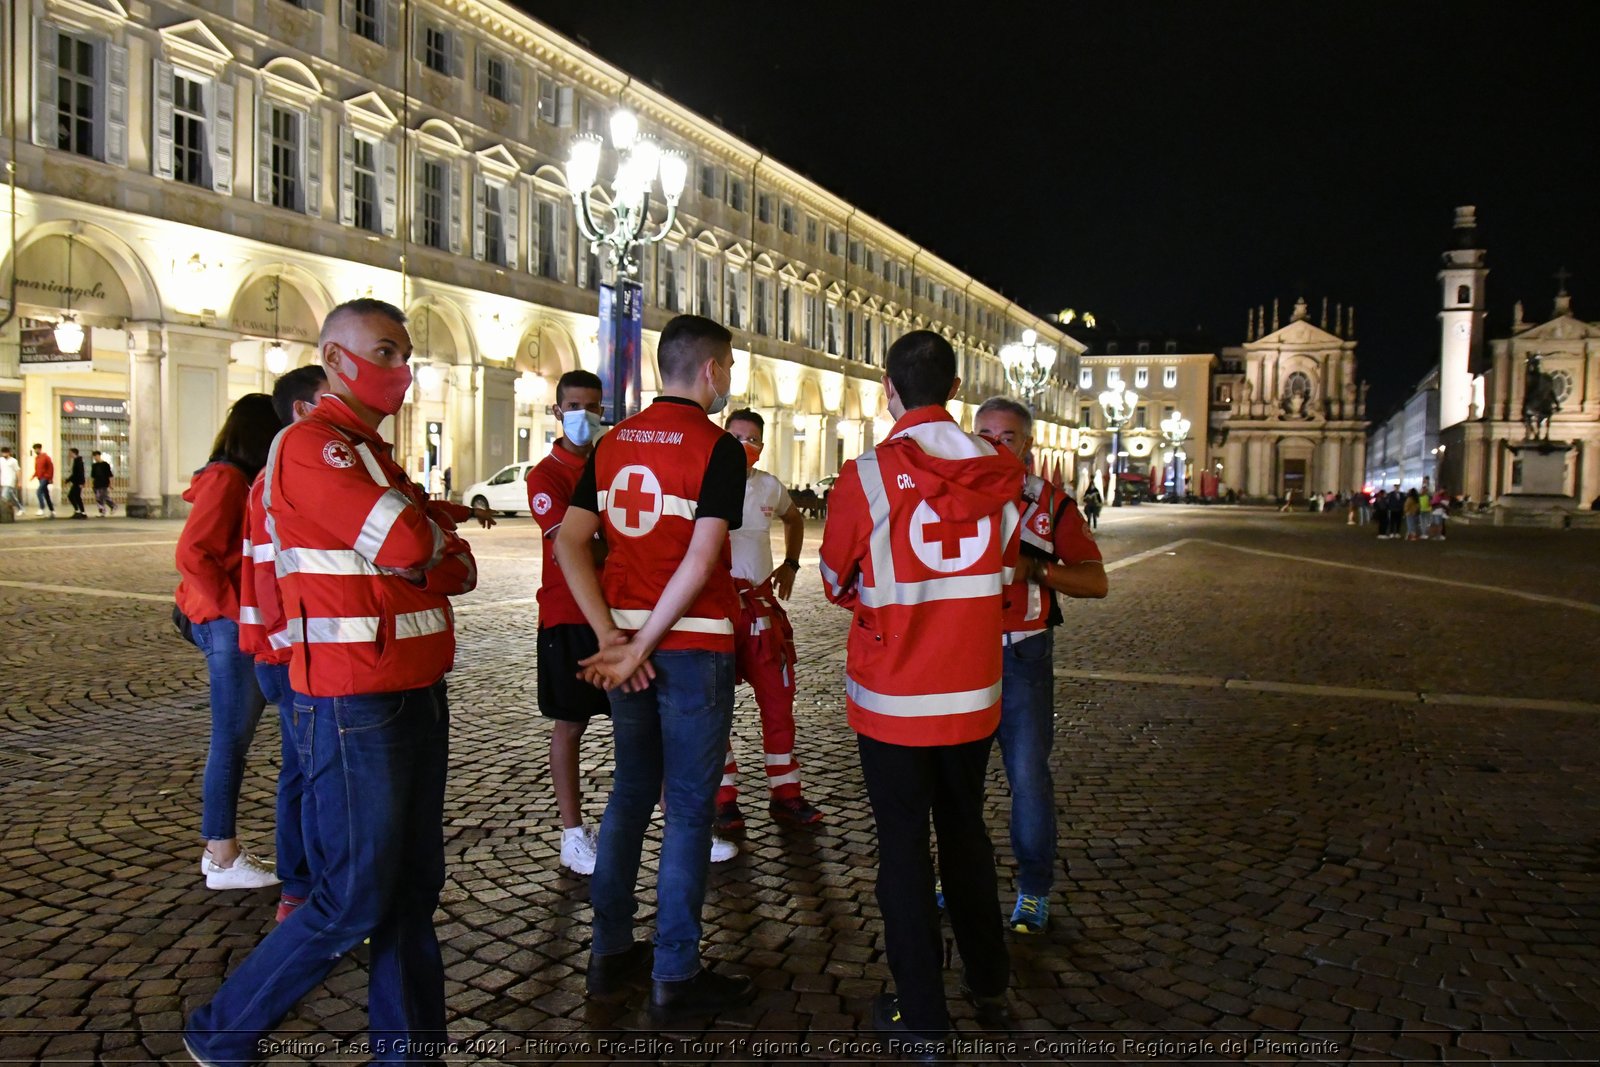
(763,639)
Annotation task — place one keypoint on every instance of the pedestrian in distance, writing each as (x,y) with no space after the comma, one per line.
(100,475)
(1440,511)
(1411,510)
(665,486)
(1058,557)
(921,536)
(76,479)
(565,637)
(10,478)
(366,570)
(1091,506)
(763,639)
(44,475)
(210,568)
(264,634)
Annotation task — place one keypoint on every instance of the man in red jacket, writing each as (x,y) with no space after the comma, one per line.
(922,534)
(365,572)
(1058,556)
(44,472)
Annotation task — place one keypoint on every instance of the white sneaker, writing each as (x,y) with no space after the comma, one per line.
(578,849)
(721,850)
(247,872)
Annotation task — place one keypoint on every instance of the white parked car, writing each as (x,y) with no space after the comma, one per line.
(506,491)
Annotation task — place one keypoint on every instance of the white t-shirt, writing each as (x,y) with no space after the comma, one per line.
(10,471)
(765,499)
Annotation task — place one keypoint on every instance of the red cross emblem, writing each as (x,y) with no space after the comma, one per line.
(634,501)
(337,454)
(948,545)
(1041,523)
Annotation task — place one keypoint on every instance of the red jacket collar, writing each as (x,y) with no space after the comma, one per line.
(333,410)
(918,416)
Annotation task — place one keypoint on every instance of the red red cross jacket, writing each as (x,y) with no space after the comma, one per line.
(261,621)
(208,558)
(1052,528)
(648,476)
(550,485)
(343,516)
(922,533)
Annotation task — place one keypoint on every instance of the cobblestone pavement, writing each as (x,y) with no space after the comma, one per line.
(1324,799)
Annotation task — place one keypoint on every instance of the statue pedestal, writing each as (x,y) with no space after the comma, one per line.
(1541,498)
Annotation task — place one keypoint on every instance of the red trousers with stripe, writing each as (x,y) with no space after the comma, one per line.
(763,651)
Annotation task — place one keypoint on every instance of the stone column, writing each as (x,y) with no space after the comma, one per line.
(463,415)
(146,350)
(780,446)
(828,445)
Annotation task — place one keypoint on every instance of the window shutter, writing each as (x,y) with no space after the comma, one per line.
(313,158)
(419,42)
(417,192)
(513,216)
(647,263)
(583,265)
(221,144)
(263,148)
(388,23)
(347,176)
(663,279)
(516,84)
(480,70)
(564,246)
(347,13)
(480,192)
(680,276)
(564,106)
(458,48)
(161,121)
(116,143)
(391,186)
(533,233)
(46,113)
(547,99)
(455,208)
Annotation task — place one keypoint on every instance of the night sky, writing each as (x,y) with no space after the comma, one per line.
(1168,165)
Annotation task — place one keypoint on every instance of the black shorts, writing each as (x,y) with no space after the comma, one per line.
(562,694)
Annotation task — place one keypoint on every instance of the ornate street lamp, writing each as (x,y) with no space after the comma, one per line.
(1119,404)
(1028,364)
(641,162)
(1175,429)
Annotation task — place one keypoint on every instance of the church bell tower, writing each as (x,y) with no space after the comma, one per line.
(1461,319)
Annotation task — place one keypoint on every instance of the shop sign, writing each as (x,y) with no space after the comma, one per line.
(93,407)
(40,354)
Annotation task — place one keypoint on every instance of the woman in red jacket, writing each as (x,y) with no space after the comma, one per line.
(210,566)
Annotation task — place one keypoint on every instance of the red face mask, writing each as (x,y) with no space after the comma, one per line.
(752,454)
(380,388)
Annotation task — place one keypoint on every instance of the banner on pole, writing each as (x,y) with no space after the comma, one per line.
(622,349)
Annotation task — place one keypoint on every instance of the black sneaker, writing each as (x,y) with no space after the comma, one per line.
(886,1020)
(611,977)
(705,994)
(994,1013)
(795,811)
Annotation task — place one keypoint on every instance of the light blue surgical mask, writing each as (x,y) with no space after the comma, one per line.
(581,426)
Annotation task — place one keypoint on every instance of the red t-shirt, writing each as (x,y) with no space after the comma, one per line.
(550,485)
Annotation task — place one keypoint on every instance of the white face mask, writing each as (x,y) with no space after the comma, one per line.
(580,427)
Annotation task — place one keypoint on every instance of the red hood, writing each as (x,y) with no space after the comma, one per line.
(963,477)
(211,472)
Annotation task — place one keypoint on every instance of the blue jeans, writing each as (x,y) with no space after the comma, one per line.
(1027,733)
(377,777)
(676,732)
(236,705)
(42,491)
(296,816)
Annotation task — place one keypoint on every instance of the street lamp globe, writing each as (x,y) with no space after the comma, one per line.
(1119,403)
(1027,364)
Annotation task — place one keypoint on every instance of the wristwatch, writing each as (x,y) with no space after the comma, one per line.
(792,562)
